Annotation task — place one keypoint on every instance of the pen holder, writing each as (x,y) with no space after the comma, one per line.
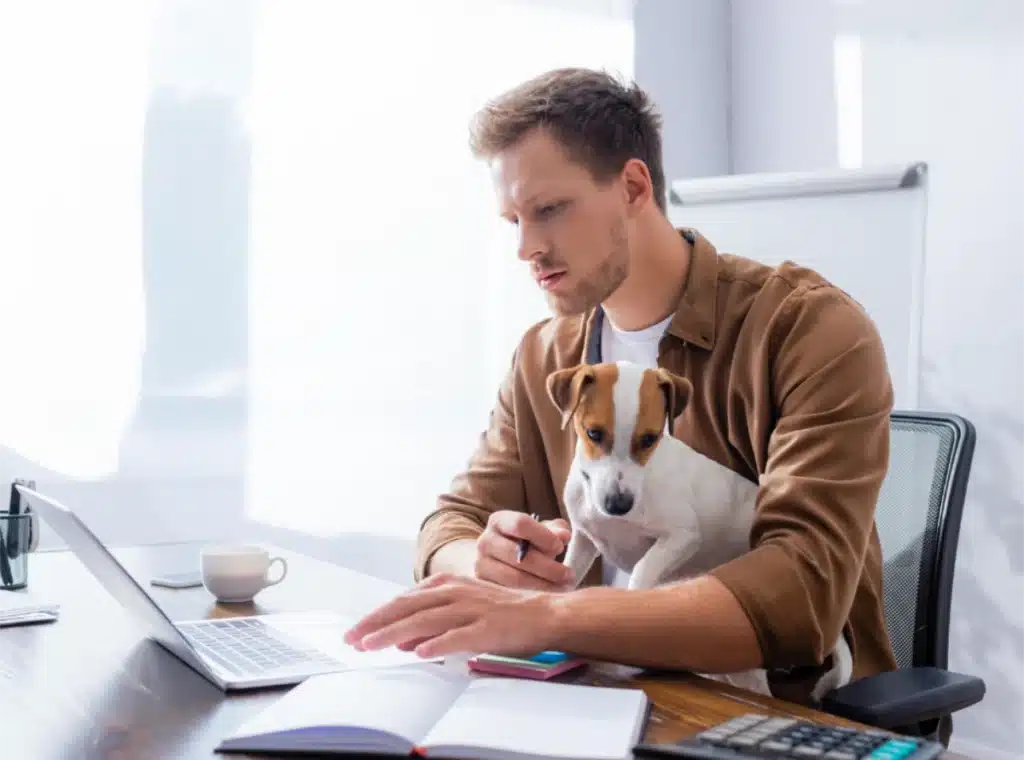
(16,541)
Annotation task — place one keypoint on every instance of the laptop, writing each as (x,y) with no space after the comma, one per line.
(237,653)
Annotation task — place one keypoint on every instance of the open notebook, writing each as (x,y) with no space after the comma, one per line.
(434,711)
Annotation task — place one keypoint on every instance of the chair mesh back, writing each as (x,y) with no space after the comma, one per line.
(910,507)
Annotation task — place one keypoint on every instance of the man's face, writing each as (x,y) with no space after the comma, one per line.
(573,232)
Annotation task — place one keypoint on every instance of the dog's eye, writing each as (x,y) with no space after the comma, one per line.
(647,440)
(596,435)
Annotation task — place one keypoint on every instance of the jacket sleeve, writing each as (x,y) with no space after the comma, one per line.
(826,460)
(491,481)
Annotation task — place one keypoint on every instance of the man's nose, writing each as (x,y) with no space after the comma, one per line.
(618,502)
(530,244)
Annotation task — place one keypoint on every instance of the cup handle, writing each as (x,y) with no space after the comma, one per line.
(284,571)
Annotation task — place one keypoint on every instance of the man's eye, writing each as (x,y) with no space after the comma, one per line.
(547,211)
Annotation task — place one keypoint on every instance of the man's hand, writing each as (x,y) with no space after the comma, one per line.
(496,552)
(695,625)
(447,614)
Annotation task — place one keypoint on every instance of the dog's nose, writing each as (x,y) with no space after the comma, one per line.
(618,502)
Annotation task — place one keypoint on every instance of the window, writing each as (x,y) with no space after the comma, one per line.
(71,309)
(250,269)
(385,295)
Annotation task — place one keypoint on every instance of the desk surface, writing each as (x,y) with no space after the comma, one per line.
(92,686)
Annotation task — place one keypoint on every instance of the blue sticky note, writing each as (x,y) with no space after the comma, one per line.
(550,657)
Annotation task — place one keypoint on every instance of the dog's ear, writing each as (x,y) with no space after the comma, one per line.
(566,386)
(677,391)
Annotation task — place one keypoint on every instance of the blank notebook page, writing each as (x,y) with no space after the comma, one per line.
(544,719)
(402,701)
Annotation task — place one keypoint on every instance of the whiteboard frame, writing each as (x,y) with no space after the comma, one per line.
(688,193)
(744,187)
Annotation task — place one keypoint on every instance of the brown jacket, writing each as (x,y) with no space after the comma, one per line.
(792,389)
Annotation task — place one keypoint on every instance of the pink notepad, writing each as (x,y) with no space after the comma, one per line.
(508,666)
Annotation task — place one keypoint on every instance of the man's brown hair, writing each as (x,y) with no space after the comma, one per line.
(599,121)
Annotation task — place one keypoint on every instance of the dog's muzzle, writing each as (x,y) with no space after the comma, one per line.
(618,502)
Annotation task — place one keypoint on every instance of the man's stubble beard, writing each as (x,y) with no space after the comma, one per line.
(599,284)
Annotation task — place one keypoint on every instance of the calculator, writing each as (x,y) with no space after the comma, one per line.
(759,736)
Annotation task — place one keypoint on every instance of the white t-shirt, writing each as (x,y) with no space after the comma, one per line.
(639,347)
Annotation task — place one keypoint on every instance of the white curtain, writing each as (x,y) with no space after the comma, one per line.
(73,84)
(249,268)
(385,293)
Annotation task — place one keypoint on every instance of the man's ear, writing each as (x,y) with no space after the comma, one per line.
(566,386)
(677,391)
(638,185)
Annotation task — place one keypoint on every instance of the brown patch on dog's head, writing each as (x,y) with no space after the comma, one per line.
(677,391)
(584,394)
(663,396)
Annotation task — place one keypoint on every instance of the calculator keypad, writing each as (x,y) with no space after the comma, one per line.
(786,737)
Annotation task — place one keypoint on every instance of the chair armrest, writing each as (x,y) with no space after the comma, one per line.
(904,697)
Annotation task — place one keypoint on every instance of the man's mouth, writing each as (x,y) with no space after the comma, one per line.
(550,280)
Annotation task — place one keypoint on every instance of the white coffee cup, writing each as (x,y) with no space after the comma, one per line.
(238,573)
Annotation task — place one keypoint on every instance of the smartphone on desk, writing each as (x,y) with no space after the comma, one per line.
(189,579)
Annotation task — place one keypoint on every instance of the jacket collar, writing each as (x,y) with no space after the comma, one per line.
(694,319)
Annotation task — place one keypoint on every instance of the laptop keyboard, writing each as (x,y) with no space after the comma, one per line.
(247,647)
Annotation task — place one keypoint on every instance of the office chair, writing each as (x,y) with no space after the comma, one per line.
(918,517)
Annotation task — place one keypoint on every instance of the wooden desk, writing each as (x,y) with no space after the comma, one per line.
(90,685)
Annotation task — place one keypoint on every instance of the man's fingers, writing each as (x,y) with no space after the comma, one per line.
(494,544)
(495,571)
(408,646)
(424,624)
(516,526)
(542,566)
(493,547)
(398,608)
(467,638)
(560,528)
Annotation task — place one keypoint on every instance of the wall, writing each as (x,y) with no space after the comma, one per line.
(940,82)
(779,65)
(680,62)
(947,87)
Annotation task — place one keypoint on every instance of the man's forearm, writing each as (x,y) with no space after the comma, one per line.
(697,625)
(456,557)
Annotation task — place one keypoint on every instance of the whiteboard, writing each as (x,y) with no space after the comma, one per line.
(862,229)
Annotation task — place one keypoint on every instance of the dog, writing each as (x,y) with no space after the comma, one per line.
(645,501)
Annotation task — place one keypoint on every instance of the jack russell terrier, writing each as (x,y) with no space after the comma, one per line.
(647,502)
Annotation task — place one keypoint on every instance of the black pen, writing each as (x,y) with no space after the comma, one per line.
(14,509)
(9,543)
(6,576)
(524,545)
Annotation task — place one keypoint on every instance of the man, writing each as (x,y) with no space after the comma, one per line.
(791,389)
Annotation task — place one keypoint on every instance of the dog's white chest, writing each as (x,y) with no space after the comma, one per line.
(691,515)
(619,541)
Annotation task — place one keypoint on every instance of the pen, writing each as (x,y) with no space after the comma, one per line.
(524,545)
(8,543)
(14,509)
(6,576)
